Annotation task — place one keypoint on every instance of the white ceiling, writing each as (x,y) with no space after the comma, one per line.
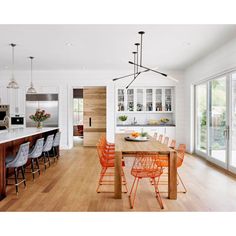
(109,47)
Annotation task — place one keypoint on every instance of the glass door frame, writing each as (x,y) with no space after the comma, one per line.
(226,165)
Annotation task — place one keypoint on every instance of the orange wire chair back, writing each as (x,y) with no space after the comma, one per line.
(173,144)
(105,152)
(146,166)
(166,140)
(160,138)
(155,135)
(180,154)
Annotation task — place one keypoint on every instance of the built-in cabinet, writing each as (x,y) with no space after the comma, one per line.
(155,99)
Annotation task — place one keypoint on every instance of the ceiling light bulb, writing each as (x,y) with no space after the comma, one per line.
(170,77)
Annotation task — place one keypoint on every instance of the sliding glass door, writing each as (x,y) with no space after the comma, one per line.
(215,120)
(201,118)
(233,123)
(217,144)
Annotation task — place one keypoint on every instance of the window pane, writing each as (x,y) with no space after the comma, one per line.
(233,125)
(78,111)
(217,141)
(201,119)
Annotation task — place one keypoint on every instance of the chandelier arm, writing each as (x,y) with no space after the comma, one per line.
(155,71)
(125,76)
(133,80)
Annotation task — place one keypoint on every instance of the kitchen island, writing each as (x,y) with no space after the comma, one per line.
(10,141)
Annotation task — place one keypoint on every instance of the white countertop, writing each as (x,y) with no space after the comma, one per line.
(14,134)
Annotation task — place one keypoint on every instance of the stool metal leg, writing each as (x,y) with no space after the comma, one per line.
(48,154)
(23,175)
(37,162)
(16,180)
(32,167)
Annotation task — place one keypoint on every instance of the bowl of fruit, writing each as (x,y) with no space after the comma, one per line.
(138,137)
(134,134)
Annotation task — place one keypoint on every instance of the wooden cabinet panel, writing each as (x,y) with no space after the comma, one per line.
(94,114)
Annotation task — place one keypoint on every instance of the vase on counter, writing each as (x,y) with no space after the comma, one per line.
(39,124)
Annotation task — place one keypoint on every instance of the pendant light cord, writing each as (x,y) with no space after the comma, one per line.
(31,70)
(31,67)
(13,61)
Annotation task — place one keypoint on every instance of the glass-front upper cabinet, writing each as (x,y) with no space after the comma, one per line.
(158,100)
(168,99)
(130,99)
(139,106)
(149,102)
(121,100)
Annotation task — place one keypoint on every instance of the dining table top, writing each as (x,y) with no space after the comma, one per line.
(151,145)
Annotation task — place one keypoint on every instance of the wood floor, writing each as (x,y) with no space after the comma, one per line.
(70,185)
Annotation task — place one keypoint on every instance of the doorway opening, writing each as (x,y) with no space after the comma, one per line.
(78,113)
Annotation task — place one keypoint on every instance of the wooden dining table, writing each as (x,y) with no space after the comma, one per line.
(123,147)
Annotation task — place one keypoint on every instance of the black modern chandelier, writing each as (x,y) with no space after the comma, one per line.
(137,63)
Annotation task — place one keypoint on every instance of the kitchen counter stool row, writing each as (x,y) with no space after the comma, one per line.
(44,149)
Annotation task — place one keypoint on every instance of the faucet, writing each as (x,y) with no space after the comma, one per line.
(135,121)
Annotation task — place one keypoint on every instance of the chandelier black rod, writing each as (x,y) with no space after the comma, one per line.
(144,67)
(125,76)
(141,46)
(135,77)
(137,45)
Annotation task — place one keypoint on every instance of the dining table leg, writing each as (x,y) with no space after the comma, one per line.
(118,178)
(172,175)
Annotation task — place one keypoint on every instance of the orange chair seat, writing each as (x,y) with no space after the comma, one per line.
(110,163)
(163,161)
(141,173)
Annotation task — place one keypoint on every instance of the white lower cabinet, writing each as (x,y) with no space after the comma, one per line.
(166,131)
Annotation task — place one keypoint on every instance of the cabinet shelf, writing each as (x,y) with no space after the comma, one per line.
(159,100)
(145,112)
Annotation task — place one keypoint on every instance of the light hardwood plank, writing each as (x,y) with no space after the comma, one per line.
(70,185)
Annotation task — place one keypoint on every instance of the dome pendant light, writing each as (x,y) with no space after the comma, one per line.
(12,84)
(31,89)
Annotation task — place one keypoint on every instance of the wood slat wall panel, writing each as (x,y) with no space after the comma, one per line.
(94,109)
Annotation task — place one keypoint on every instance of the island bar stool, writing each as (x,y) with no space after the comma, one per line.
(34,154)
(55,145)
(18,162)
(46,149)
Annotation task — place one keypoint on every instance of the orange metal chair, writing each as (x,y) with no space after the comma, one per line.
(145,166)
(155,135)
(166,140)
(160,138)
(163,162)
(106,153)
(173,144)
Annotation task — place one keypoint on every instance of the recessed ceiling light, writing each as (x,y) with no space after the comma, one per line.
(69,44)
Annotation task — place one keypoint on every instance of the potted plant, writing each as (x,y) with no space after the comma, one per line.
(39,117)
(123,119)
(143,135)
(164,120)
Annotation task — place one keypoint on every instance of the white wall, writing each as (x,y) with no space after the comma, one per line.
(221,60)
(64,81)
